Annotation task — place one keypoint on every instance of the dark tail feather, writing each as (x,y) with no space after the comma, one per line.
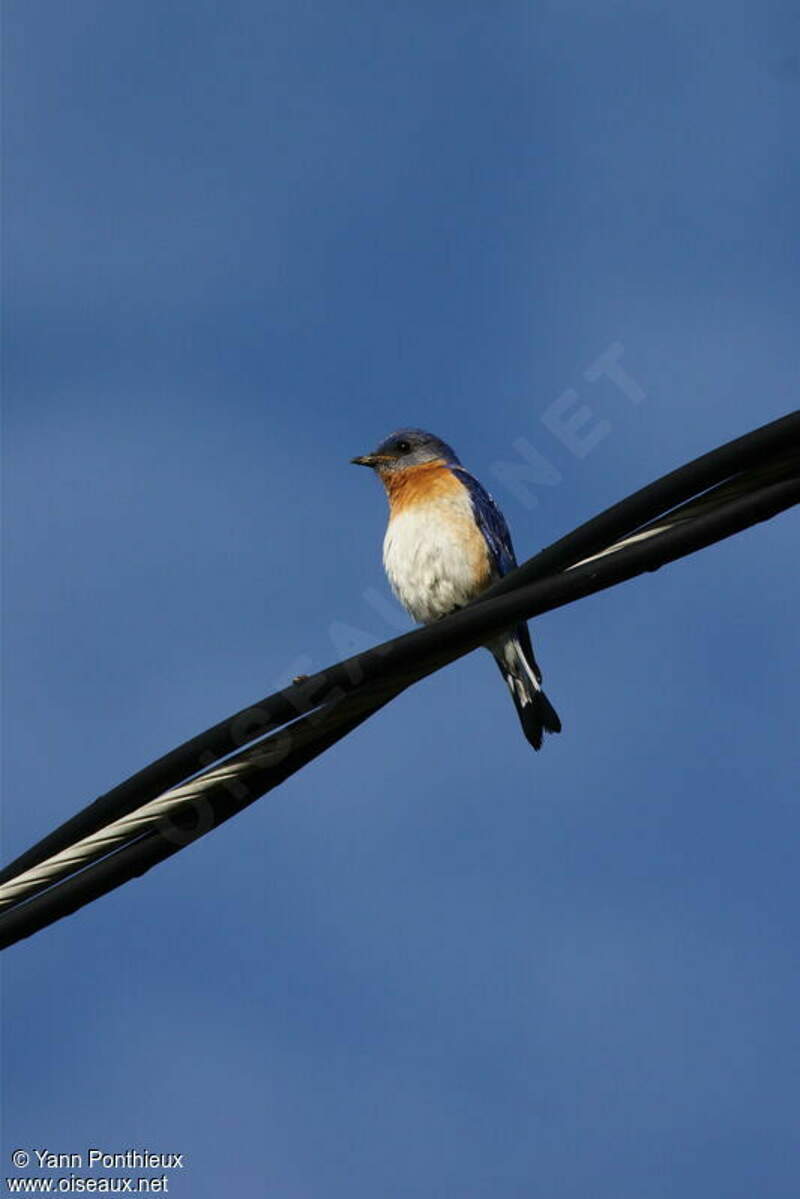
(536,714)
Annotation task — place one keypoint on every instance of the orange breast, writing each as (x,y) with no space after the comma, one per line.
(435,554)
(419,484)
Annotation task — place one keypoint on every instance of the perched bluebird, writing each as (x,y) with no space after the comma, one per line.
(446,541)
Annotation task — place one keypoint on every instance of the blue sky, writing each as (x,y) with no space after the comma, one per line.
(244,242)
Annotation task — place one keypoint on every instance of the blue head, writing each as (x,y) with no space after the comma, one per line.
(408,447)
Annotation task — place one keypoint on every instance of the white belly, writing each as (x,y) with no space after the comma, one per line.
(435,559)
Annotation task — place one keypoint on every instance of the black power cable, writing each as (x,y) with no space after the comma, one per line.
(175,833)
(770,443)
(768,462)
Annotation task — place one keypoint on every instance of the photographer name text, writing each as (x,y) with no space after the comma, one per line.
(101,1159)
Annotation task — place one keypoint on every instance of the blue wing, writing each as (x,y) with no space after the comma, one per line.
(490,521)
(492,524)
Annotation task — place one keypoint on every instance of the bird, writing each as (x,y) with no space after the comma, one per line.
(446,542)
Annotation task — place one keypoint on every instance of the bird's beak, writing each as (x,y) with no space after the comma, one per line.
(365,460)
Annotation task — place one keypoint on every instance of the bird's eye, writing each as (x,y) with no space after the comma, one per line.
(402,447)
